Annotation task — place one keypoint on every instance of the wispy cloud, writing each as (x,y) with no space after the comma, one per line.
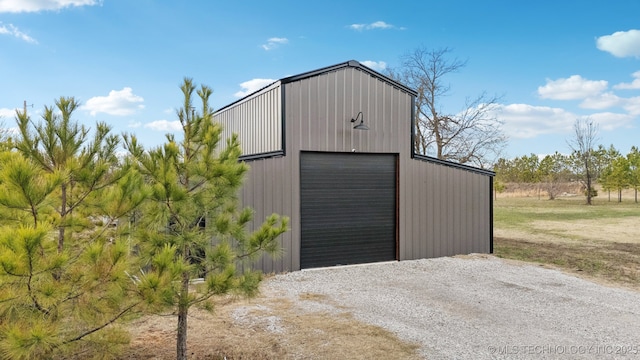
(252,85)
(7,117)
(609,121)
(119,103)
(18,6)
(574,87)
(528,121)
(621,43)
(632,105)
(635,84)
(524,121)
(11,30)
(602,101)
(377,25)
(274,42)
(6,114)
(375,65)
(164,125)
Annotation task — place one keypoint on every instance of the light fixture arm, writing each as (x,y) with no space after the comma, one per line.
(361,125)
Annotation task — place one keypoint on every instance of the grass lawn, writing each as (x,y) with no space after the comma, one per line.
(601,241)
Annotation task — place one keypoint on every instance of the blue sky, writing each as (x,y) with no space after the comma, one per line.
(551,61)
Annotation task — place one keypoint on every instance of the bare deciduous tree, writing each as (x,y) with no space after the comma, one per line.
(585,136)
(473,135)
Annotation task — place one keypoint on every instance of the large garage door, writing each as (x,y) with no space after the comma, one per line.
(348,208)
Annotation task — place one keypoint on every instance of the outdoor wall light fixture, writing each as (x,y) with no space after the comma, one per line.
(361,125)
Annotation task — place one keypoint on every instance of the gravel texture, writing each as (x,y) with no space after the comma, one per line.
(478,307)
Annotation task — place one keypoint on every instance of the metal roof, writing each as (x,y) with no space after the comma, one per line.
(352,64)
(324,70)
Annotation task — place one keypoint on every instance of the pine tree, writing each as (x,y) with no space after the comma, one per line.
(192,225)
(59,145)
(64,264)
(633,157)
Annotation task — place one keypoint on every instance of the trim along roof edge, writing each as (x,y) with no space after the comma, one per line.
(454,164)
(308,74)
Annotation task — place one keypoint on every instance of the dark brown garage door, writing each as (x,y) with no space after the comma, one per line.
(348,208)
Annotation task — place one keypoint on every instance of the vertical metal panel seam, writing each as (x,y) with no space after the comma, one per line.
(283,121)
(413,125)
(397,158)
(490,215)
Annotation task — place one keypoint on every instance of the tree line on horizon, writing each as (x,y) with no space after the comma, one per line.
(611,169)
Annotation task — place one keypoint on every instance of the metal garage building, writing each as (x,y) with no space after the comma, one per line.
(333,150)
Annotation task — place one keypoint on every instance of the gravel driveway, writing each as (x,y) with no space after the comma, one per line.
(480,307)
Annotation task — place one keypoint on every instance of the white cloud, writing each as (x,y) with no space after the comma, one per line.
(119,103)
(608,121)
(274,42)
(523,121)
(252,85)
(7,114)
(632,105)
(7,117)
(575,87)
(14,31)
(609,100)
(526,121)
(164,125)
(380,25)
(602,101)
(18,6)
(635,84)
(378,66)
(621,43)
(373,26)
(134,124)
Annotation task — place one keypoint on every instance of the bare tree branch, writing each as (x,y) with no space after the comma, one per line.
(585,137)
(473,135)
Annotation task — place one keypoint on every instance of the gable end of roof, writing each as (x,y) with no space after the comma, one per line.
(351,64)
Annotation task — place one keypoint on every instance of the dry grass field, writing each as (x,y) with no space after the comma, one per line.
(267,327)
(600,242)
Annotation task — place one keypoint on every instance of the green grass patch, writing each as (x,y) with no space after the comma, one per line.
(518,212)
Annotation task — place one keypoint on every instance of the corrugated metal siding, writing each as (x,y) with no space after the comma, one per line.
(442,210)
(317,117)
(257,120)
(321,108)
(268,189)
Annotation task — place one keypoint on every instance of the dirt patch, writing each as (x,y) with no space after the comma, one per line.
(268,327)
(211,336)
